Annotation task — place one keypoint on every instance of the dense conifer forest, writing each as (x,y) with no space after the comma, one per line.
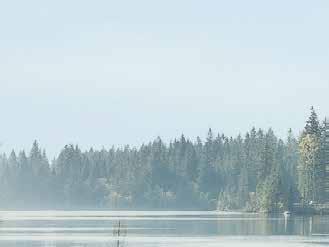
(256,171)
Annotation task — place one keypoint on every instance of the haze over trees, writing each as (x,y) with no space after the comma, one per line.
(256,171)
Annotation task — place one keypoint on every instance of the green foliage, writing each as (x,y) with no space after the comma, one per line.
(311,166)
(309,148)
(255,172)
(268,192)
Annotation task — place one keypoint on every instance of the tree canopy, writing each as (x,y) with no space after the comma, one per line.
(256,171)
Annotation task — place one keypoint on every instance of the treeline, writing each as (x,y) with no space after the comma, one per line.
(256,171)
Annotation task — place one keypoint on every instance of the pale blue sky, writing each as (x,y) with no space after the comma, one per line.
(102,73)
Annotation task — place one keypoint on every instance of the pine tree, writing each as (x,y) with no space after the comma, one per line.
(310,167)
(312,126)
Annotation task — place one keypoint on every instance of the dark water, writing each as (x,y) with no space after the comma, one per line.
(159,228)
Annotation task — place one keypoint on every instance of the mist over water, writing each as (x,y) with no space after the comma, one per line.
(111,106)
(159,228)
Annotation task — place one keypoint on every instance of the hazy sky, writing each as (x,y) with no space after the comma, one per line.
(102,73)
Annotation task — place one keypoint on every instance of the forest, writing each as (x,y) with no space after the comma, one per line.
(256,171)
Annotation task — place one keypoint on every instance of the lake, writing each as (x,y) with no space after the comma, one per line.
(159,228)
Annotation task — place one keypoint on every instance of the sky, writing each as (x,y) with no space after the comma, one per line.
(102,73)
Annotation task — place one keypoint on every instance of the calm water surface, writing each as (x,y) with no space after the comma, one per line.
(159,228)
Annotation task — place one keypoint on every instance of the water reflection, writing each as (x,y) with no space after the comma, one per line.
(149,228)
